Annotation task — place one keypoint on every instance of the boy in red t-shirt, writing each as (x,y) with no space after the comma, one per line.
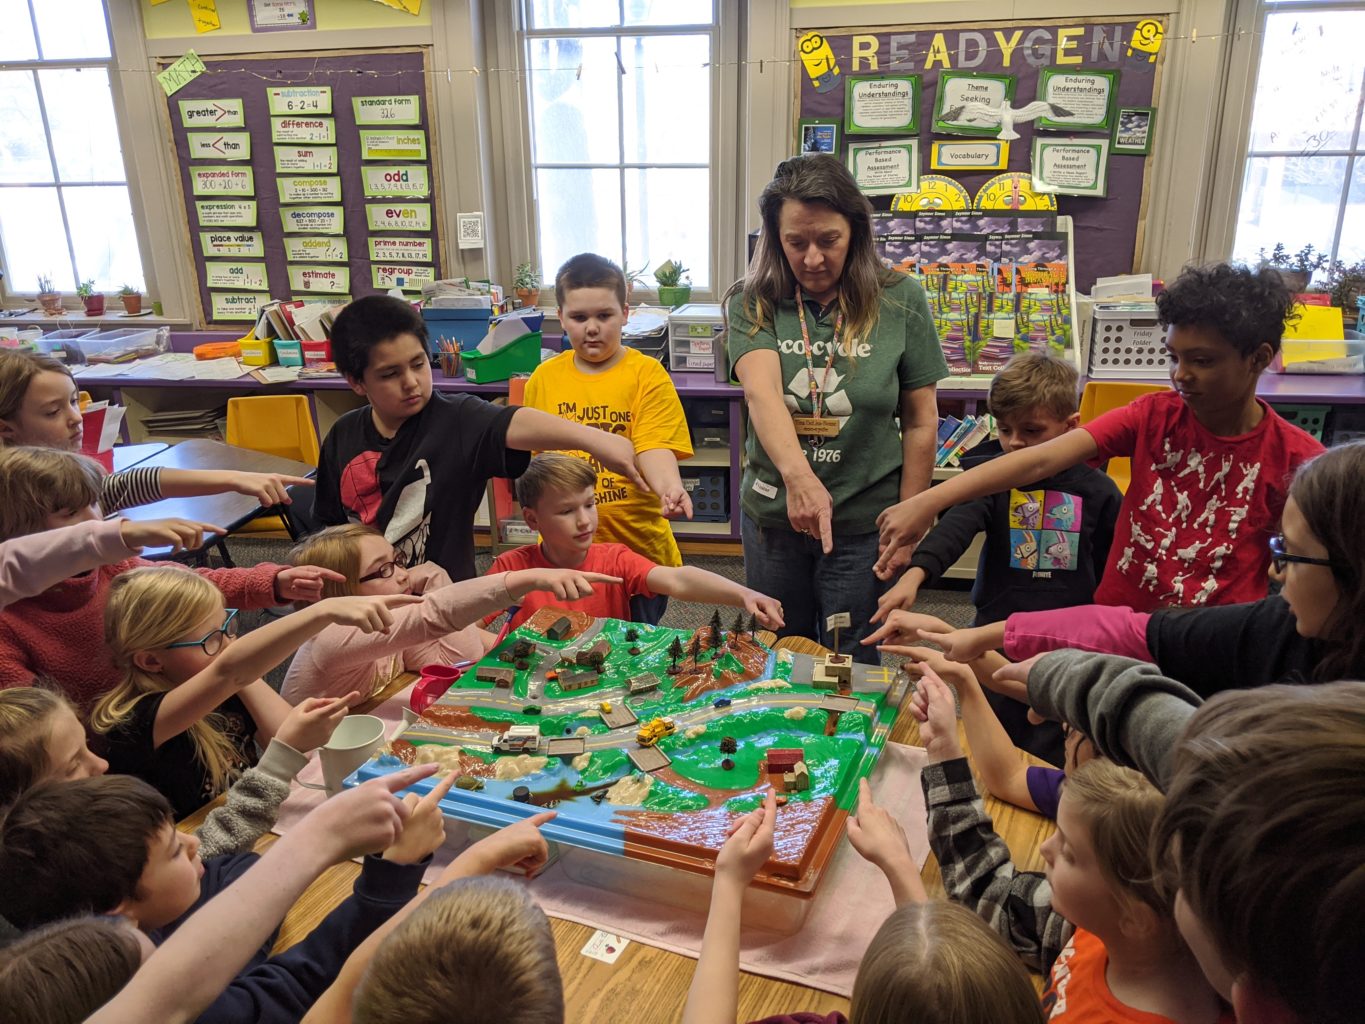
(558,499)
(1211,461)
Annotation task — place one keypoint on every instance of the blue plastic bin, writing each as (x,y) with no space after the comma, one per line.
(465,327)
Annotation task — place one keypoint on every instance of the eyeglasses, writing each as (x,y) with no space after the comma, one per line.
(1279,558)
(400,561)
(214,641)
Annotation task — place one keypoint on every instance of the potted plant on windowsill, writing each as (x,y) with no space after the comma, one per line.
(48,298)
(634,277)
(131,299)
(672,290)
(93,300)
(1347,285)
(1296,268)
(526,284)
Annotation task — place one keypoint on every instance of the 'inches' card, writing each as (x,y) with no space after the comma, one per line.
(605,946)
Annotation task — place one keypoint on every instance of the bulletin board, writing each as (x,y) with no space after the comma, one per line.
(307,176)
(1107,229)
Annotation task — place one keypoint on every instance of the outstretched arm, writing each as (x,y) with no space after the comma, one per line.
(531,430)
(660,469)
(689,583)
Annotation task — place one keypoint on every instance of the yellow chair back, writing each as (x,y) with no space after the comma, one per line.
(1101,396)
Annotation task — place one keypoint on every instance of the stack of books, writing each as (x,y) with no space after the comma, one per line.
(956,436)
(186,425)
(296,320)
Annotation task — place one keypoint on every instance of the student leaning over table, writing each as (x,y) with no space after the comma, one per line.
(831,348)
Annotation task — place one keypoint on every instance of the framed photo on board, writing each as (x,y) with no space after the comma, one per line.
(886,105)
(1082,101)
(1133,127)
(1071,167)
(969,104)
(885,168)
(818,135)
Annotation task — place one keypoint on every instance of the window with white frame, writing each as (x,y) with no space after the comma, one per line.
(620,98)
(65,211)
(1304,179)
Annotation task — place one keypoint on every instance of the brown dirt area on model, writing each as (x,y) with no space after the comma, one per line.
(549,615)
(460,718)
(701,679)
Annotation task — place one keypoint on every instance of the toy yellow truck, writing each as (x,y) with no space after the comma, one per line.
(655,730)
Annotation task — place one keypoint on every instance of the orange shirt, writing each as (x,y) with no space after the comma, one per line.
(607,601)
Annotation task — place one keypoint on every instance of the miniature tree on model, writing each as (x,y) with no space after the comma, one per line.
(675,651)
(728,745)
(737,627)
(715,629)
(753,627)
(694,648)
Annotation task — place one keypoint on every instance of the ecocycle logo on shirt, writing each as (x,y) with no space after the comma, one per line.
(794,347)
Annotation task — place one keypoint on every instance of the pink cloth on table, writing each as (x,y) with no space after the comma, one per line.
(852,901)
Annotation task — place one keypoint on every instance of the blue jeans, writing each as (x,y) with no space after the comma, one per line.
(648,609)
(811,585)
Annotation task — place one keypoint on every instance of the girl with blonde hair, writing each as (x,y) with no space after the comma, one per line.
(437,630)
(191,704)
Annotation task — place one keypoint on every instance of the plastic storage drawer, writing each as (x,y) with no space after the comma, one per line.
(710,493)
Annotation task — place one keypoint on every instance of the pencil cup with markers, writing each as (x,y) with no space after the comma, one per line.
(450,358)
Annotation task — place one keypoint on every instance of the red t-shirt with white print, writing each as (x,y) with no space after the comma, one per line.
(1199,512)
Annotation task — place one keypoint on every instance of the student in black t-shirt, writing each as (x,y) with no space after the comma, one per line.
(413,463)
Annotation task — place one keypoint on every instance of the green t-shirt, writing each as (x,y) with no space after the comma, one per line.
(861,467)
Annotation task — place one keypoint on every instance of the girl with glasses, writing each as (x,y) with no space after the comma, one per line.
(440,629)
(191,707)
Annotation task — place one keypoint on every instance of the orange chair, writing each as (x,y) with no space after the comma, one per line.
(275,425)
(1100,396)
(83,398)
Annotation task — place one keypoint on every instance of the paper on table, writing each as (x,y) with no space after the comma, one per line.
(277,374)
(92,370)
(218,369)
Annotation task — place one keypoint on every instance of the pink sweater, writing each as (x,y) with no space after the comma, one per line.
(60,632)
(36,561)
(1099,628)
(437,631)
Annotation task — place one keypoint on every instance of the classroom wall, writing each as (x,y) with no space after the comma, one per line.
(170,20)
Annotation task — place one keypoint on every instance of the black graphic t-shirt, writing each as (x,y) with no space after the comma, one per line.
(422,487)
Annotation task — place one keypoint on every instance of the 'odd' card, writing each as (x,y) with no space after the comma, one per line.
(605,946)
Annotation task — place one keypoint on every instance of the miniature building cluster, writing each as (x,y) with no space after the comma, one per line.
(787,770)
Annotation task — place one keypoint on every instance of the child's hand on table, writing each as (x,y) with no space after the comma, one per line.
(267,488)
(425,829)
(750,844)
(310,723)
(519,845)
(936,712)
(177,534)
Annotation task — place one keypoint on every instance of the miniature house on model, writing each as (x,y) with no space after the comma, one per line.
(787,771)
(833,672)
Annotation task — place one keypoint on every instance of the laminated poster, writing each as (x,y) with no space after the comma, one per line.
(310,190)
(401,180)
(281,15)
(985,155)
(969,104)
(313,220)
(885,168)
(222,181)
(819,135)
(1133,130)
(398,216)
(219,145)
(409,278)
(226,213)
(303,129)
(231,243)
(396,145)
(212,113)
(331,280)
(321,250)
(882,106)
(1072,167)
(236,305)
(299,99)
(382,110)
(1081,100)
(397,249)
(242,276)
(306,159)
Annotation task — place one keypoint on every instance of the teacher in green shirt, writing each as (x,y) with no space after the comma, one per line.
(833,349)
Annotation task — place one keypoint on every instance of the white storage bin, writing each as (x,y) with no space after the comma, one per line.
(692,331)
(1126,342)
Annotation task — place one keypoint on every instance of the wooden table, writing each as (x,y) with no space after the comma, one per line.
(645,976)
(126,456)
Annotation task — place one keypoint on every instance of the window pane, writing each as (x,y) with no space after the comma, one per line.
(1290,200)
(1320,52)
(72,29)
(102,235)
(574,117)
(668,216)
(653,132)
(1352,248)
(669,12)
(31,225)
(23,145)
(16,41)
(578,211)
(80,113)
(575,13)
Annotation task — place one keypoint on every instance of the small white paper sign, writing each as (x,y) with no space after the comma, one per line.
(605,946)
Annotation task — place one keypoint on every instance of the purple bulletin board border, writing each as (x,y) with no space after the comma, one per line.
(1107,230)
(352,74)
(312,20)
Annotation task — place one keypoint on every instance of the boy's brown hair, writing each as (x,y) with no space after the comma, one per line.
(478,950)
(1034,380)
(1120,808)
(336,548)
(80,847)
(63,973)
(17,370)
(25,728)
(37,482)
(588,270)
(1264,826)
(552,471)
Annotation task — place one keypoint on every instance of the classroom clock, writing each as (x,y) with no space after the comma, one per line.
(935,192)
(1012,191)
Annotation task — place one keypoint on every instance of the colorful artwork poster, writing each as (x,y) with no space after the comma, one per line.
(398,216)
(398,249)
(817,135)
(226,213)
(331,280)
(219,145)
(323,249)
(1078,101)
(971,104)
(241,276)
(882,106)
(231,243)
(1133,127)
(222,181)
(326,189)
(306,159)
(1072,167)
(299,99)
(400,180)
(382,110)
(322,130)
(401,275)
(313,220)
(985,155)
(885,168)
(393,145)
(236,305)
(212,113)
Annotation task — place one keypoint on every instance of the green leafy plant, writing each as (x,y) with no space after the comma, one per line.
(45,284)
(669,274)
(634,277)
(526,276)
(1346,283)
(128,289)
(86,288)
(1305,261)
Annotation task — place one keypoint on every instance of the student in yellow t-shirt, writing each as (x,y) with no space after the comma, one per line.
(606,385)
